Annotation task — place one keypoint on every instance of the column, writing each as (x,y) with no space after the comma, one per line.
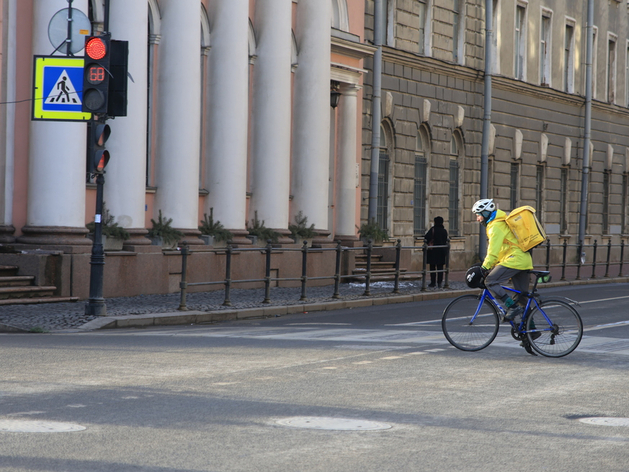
(311,114)
(125,193)
(345,223)
(56,184)
(270,176)
(226,173)
(8,32)
(178,123)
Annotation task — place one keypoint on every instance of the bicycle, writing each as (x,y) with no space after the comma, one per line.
(551,327)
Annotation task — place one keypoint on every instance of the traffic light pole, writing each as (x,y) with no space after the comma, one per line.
(96,304)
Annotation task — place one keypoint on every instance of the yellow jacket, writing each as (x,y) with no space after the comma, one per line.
(503,248)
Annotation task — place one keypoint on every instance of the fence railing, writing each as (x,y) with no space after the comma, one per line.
(580,261)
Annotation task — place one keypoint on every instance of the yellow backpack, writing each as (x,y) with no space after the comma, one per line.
(526,227)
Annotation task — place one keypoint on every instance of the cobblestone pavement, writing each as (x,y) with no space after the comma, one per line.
(60,316)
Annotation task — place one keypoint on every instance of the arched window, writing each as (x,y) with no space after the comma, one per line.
(340,16)
(205,50)
(384,163)
(422,150)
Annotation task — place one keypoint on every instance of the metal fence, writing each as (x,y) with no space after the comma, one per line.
(584,253)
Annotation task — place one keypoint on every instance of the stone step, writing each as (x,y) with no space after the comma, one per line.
(33,301)
(26,292)
(17,281)
(8,271)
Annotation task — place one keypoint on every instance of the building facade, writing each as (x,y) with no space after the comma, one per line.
(229,113)
(432,116)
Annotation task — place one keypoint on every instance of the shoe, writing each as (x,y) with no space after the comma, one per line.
(514,312)
(432,286)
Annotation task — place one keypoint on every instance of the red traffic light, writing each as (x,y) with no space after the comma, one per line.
(95,48)
(100,161)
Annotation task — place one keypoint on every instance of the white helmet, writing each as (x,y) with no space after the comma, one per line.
(487,204)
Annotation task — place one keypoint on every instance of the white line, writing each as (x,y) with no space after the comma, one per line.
(603,300)
(608,325)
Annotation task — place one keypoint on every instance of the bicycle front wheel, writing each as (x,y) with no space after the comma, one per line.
(469,325)
(554,329)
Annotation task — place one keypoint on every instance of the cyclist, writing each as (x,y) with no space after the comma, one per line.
(505,260)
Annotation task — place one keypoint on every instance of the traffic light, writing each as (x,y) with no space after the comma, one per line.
(96,74)
(119,66)
(97,155)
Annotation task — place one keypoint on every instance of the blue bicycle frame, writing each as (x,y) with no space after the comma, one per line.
(521,327)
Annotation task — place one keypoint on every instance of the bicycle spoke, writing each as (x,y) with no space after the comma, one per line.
(468,327)
(555,329)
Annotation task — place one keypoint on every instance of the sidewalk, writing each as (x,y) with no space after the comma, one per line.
(206,307)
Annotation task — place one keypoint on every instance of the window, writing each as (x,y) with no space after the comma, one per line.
(568,59)
(419,196)
(627,76)
(563,201)
(539,191)
(545,50)
(388,7)
(382,210)
(606,185)
(422,27)
(340,15)
(520,42)
(594,59)
(495,22)
(515,181)
(611,70)
(453,197)
(625,202)
(458,31)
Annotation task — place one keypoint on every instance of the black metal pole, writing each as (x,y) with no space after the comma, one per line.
(69,38)
(106,20)
(228,274)
(304,271)
(398,251)
(337,271)
(267,274)
(96,304)
(594,260)
(368,273)
(183,285)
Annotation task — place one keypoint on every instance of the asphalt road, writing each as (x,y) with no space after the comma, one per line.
(219,397)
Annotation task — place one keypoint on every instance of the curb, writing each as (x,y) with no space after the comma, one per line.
(201,317)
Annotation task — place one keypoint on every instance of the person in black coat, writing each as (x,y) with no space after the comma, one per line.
(436,256)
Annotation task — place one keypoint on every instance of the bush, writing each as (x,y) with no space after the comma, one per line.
(210,227)
(373,231)
(301,230)
(258,229)
(109,227)
(162,229)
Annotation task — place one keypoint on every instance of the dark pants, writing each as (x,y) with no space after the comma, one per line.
(500,274)
(433,275)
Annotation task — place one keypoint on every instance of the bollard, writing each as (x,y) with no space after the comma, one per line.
(594,260)
(424,252)
(447,274)
(398,251)
(368,274)
(609,251)
(548,254)
(304,269)
(622,255)
(183,285)
(228,274)
(267,273)
(563,264)
(337,271)
(579,252)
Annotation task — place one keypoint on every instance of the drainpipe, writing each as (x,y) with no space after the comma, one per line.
(375,112)
(585,176)
(484,154)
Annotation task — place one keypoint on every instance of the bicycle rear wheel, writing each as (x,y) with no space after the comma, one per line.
(468,325)
(555,329)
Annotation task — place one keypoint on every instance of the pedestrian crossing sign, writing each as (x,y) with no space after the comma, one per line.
(57,89)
